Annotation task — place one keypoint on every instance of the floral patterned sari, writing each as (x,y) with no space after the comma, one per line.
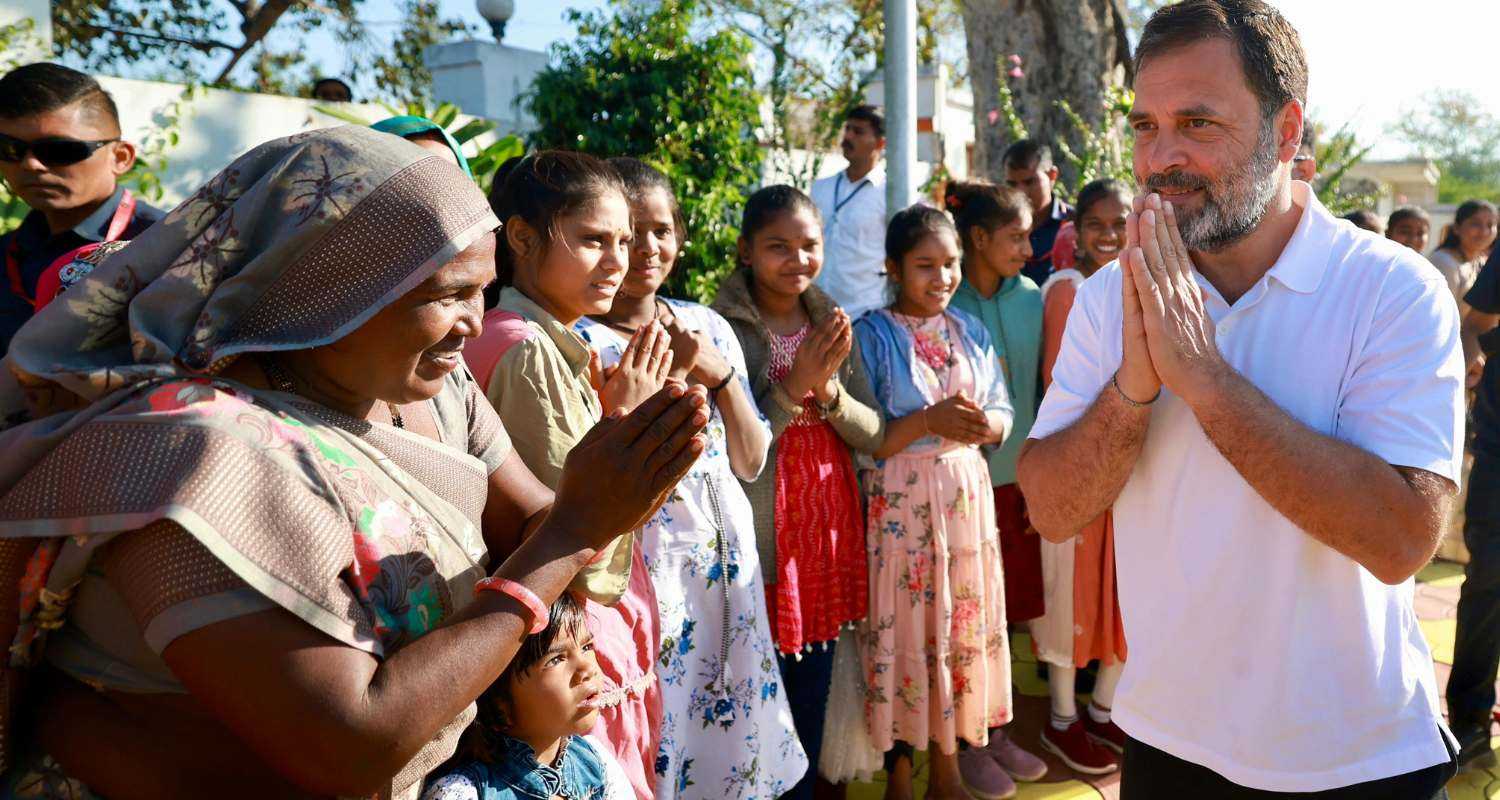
(125,432)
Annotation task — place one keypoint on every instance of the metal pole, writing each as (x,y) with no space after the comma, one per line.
(900,103)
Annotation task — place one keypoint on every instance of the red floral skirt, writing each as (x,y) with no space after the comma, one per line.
(821,566)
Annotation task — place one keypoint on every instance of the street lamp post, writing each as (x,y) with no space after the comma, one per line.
(900,103)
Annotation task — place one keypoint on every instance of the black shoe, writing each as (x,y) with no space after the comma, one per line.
(1473,742)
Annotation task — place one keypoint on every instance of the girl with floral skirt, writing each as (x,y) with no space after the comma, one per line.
(726,728)
(937,660)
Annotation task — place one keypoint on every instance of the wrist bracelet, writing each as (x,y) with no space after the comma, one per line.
(713,391)
(1115,382)
(522,595)
(833,405)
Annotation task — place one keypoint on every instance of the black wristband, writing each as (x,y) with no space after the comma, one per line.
(713,391)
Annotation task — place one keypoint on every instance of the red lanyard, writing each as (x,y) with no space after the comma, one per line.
(124,212)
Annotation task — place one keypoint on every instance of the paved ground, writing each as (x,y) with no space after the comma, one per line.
(1436,604)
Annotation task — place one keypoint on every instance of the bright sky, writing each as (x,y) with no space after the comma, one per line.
(1370,60)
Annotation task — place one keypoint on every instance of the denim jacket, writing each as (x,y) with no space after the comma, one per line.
(578,774)
(886,346)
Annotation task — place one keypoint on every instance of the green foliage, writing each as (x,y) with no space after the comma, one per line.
(151,156)
(1336,154)
(256,46)
(1096,151)
(483,164)
(1456,131)
(17,40)
(659,84)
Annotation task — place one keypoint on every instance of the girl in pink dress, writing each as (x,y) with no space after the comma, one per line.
(936,657)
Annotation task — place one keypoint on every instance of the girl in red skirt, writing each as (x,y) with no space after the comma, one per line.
(810,383)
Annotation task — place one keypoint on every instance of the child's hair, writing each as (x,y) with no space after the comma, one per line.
(769,203)
(1027,154)
(910,226)
(1366,219)
(1097,190)
(1405,213)
(983,205)
(1468,209)
(639,178)
(481,740)
(541,187)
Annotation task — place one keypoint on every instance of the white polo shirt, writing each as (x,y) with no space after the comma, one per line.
(1256,651)
(853,240)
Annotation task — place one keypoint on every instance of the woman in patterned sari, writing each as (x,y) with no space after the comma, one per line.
(250,513)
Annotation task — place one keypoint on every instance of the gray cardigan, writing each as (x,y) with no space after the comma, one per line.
(857,418)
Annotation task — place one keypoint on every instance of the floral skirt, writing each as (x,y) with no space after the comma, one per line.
(821,582)
(937,658)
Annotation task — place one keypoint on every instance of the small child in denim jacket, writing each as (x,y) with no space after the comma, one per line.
(528,740)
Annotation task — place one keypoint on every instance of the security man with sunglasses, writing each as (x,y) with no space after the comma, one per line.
(61,152)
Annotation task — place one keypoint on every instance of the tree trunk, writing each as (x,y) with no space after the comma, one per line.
(1073,50)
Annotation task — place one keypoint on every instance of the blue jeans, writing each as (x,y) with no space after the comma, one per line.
(806,683)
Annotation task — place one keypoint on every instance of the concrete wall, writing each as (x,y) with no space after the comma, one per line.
(217,126)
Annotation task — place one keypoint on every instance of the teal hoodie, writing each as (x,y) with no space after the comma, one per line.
(1013,317)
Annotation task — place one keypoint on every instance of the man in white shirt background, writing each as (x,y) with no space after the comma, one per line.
(1271,403)
(853,207)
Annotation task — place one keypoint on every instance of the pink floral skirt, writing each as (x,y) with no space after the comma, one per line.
(936,655)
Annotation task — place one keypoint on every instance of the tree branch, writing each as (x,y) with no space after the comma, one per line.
(203,45)
(255,27)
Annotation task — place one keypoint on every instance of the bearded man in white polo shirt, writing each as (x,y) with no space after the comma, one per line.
(1270,401)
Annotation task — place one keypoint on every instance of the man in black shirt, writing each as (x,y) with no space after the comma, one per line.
(61,152)
(1476,651)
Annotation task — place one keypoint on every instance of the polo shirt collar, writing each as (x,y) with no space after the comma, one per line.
(574,349)
(1304,260)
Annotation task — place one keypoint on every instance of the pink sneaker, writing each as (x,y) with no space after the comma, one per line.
(1018,763)
(982,777)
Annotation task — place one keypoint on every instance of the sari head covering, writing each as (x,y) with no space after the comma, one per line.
(410,125)
(293,246)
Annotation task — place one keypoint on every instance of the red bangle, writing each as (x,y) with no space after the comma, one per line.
(522,595)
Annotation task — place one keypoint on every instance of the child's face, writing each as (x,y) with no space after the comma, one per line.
(556,697)
(928,275)
(1477,233)
(1101,231)
(1412,232)
(786,254)
(586,260)
(654,249)
(1006,248)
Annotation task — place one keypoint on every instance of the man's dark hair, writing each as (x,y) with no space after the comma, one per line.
(1270,50)
(42,87)
(870,114)
(1027,154)
(348,90)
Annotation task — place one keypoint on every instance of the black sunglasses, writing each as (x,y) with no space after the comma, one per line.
(54,152)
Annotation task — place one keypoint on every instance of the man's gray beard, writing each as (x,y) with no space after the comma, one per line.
(1235,204)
